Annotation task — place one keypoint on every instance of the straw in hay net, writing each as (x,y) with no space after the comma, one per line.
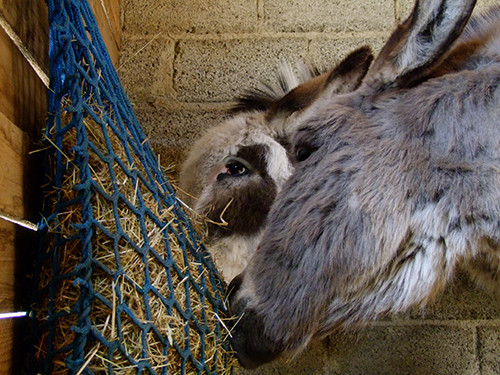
(153,300)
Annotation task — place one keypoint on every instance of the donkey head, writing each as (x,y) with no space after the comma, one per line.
(391,187)
(236,169)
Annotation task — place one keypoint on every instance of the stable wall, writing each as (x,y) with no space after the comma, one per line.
(183,62)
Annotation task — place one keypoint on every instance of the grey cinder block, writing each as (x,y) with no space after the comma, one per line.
(148,17)
(218,70)
(329,16)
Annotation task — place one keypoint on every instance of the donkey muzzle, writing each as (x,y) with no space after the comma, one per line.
(253,348)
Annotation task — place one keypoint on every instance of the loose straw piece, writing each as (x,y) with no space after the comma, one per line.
(91,356)
(10,315)
(223,324)
(21,222)
(137,52)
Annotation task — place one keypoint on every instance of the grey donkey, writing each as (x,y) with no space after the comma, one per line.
(394,184)
(234,171)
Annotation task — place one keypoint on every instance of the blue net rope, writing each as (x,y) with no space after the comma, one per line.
(123,284)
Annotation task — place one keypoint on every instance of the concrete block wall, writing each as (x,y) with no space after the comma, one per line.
(183,62)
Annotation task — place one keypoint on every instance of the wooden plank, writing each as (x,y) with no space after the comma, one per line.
(106,31)
(13,159)
(16,245)
(29,20)
(13,146)
(7,339)
(23,103)
(13,249)
(13,333)
(22,94)
(112,8)
(8,266)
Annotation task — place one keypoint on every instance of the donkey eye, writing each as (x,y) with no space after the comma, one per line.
(235,168)
(303,153)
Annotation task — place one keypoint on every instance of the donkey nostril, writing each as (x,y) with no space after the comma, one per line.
(235,306)
(235,283)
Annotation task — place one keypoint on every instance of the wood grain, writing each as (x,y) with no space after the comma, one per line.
(22,94)
(13,146)
(106,29)
(13,156)
(113,11)
(7,267)
(29,19)
(6,345)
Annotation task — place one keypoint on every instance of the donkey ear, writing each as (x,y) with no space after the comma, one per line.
(349,73)
(420,42)
(345,77)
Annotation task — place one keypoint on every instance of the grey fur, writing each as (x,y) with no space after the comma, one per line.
(402,184)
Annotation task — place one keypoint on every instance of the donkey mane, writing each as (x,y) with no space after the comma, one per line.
(267,92)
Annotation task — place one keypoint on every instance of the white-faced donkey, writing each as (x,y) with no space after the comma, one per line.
(393,185)
(235,170)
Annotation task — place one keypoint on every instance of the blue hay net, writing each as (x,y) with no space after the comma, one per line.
(123,284)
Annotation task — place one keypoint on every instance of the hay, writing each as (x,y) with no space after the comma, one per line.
(110,320)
